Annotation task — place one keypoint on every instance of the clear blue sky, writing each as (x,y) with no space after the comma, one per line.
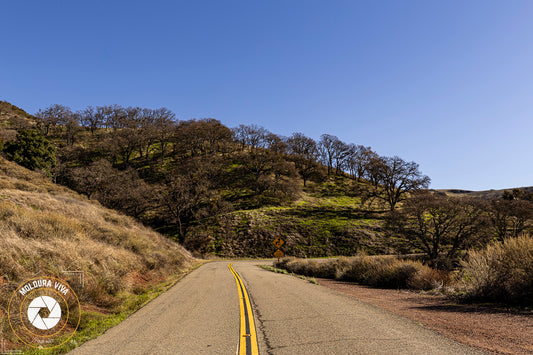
(448,84)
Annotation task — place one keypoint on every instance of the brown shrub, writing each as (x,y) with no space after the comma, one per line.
(427,278)
(380,271)
(502,272)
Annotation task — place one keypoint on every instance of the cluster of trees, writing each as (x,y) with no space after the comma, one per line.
(168,172)
(133,132)
(391,178)
(123,132)
(176,174)
(444,226)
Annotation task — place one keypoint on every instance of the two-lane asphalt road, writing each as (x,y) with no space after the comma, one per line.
(205,313)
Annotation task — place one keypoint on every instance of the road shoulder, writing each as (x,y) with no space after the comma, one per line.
(483,327)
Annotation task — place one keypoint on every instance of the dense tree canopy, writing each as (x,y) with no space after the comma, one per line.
(31,150)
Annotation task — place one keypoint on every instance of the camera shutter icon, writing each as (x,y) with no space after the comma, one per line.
(44,302)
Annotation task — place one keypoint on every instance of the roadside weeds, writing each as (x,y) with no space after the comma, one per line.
(94,323)
(285,272)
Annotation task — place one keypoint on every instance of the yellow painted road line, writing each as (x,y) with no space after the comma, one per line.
(248,335)
(242,342)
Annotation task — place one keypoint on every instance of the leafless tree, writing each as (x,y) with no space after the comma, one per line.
(357,160)
(72,127)
(398,177)
(327,149)
(508,218)
(439,225)
(200,137)
(53,116)
(126,135)
(189,195)
(252,136)
(275,143)
(164,122)
(118,189)
(267,175)
(374,166)
(91,118)
(341,152)
(304,153)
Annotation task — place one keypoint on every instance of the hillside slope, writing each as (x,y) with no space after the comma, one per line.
(12,119)
(329,218)
(46,229)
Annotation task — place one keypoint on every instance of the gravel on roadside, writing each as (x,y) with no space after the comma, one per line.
(496,329)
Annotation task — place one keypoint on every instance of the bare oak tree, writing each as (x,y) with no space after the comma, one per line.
(252,136)
(508,218)
(397,178)
(91,118)
(53,116)
(439,225)
(327,149)
(304,153)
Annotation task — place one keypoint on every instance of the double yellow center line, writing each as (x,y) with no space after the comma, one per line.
(248,336)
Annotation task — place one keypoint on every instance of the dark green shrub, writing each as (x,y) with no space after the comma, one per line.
(31,150)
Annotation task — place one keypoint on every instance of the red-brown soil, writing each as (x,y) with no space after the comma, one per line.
(497,329)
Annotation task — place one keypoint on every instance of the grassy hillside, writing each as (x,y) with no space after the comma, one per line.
(328,219)
(12,119)
(218,189)
(46,229)
(11,114)
(222,192)
(231,191)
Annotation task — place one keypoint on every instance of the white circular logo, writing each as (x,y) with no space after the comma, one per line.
(44,312)
(53,317)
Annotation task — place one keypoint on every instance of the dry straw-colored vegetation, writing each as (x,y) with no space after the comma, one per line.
(46,229)
(379,271)
(501,272)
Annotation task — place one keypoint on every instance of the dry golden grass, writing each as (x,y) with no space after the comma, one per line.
(13,176)
(46,229)
(380,271)
(502,272)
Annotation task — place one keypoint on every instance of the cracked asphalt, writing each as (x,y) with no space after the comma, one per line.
(200,315)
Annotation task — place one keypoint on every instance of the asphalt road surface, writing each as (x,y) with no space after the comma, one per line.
(202,314)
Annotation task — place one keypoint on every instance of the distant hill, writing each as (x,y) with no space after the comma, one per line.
(487,194)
